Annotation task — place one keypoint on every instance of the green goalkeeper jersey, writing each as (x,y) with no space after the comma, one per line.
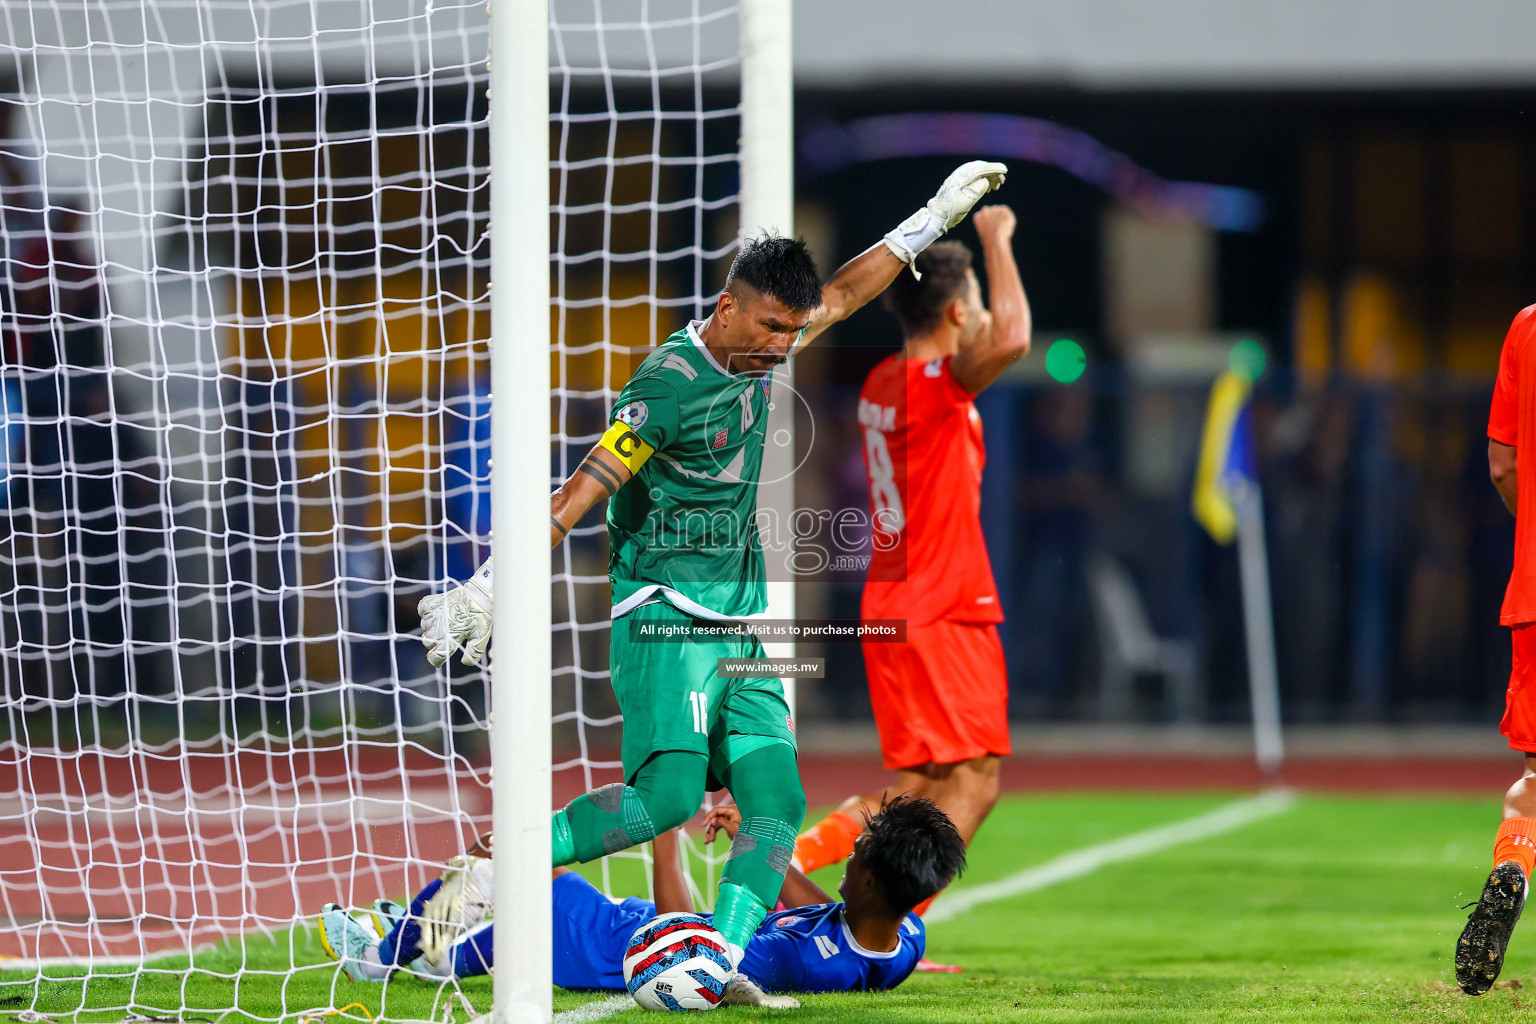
(684,529)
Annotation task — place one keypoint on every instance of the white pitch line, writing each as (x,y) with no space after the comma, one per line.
(596,1010)
(1227,818)
(1082,862)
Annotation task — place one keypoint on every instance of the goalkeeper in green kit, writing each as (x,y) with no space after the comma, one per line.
(681,462)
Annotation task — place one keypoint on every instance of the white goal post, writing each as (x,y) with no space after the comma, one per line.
(520,444)
(249,346)
(768,204)
(519,199)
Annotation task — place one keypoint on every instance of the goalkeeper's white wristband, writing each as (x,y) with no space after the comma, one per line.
(913,235)
(481,587)
(963,188)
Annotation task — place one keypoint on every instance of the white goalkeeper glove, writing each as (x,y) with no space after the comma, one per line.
(962,190)
(458,617)
(462,901)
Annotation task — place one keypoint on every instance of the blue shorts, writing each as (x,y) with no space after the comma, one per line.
(591,933)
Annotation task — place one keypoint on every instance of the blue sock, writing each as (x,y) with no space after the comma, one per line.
(403,943)
(472,956)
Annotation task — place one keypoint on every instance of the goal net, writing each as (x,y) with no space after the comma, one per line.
(244,428)
(644,196)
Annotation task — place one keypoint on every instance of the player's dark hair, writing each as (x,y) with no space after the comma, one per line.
(912,849)
(778,267)
(920,304)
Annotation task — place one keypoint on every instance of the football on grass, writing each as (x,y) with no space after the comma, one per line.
(677,962)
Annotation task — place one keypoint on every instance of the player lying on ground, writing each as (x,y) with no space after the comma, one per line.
(940,699)
(689,428)
(1480,950)
(908,851)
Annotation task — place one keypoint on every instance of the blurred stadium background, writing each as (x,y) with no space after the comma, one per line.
(1342,191)
(1380,245)
(1351,186)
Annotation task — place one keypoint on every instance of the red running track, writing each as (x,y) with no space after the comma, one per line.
(130,853)
(828,779)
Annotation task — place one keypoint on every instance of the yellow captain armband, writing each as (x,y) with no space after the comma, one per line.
(625,445)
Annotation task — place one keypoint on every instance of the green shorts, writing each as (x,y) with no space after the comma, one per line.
(672,698)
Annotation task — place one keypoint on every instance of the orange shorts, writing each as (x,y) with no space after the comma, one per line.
(1519,724)
(941,697)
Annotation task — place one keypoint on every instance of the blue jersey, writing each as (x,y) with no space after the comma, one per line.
(807,949)
(811,949)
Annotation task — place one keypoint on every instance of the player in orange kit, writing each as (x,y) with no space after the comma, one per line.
(941,698)
(1480,950)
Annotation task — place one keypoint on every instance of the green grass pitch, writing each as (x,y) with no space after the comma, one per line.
(1340,909)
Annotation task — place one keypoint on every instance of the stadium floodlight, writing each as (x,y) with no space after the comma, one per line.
(250,351)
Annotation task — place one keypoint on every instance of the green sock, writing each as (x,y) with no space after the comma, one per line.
(601,822)
(759,856)
(753,876)
(562,843)
(738,912)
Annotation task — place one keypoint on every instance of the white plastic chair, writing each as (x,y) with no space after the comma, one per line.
(1129,647)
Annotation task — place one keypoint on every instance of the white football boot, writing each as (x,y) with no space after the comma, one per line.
(743,991)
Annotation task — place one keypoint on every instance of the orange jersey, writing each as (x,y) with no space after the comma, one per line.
(923,454)
(1512,421)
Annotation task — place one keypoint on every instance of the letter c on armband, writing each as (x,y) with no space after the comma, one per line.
(626,446)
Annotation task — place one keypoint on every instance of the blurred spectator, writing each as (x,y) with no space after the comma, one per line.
(467,479)
(845,691)
(95,531)
(1489,554)
(1062,494)
(68,493)
(1436,576)
(1305,487)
